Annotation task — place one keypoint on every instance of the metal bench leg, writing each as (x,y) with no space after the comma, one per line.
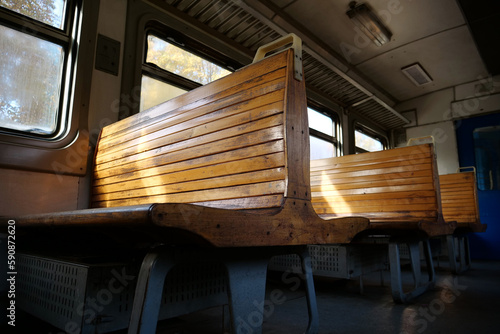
(148,293)
(467,260)
(458,252)
(247,288)
(312,307)
(398,294)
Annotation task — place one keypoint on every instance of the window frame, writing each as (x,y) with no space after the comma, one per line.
(66,150)
(60,37)
(186,43)
(336,126)
(370,133)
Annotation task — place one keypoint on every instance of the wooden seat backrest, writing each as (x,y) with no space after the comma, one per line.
(236,143)
(459,197)
(397,185)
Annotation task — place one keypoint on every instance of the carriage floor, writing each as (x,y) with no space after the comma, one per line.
(469,303)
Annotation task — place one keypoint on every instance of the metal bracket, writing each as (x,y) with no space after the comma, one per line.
(280,43)
(312,307)
(458,243)
(461,169)
(246,270)
(421,140)
(420,287)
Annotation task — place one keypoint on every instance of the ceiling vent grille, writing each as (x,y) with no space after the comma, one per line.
(417,74)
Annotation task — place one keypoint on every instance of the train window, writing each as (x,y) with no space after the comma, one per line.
(322,135)
(487,155)
(154,92)
(366,141)
(35,44)
(170,70)
(48,12)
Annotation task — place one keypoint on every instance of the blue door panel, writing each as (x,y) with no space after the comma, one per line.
(483,245)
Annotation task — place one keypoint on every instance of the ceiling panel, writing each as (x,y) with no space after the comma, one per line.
(407,20)
(449,57)
(251,29)
(339,62)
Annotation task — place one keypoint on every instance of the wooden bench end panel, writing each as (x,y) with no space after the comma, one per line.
(459,197)
(397,185)
(237,143)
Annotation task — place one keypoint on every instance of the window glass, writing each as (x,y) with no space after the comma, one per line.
(320,122)
(321,148)
(50,12)
(31,73)
(181,62)
(487,154)
(322,136)
(367,143)
(154,92)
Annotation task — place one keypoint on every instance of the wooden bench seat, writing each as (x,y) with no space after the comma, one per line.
(459,198)
(221,166)
(398,190)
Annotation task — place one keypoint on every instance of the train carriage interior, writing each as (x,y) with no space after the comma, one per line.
(163,163)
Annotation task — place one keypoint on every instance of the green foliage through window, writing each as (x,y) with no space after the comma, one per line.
(50,12)
(367,143)
(181,62)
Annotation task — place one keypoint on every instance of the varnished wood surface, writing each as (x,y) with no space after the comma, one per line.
(459,197)
(397,184)
(294,224)
(222,142)
(226,164)
(396,189)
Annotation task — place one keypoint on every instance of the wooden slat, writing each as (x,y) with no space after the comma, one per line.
(201,96)
(157,158)
(336,202)
(359,177)
(268,188)
(372,184)
(459,198)
(216,170)
(269,148)
(457,178)
(224,104)
(398,185)
(396,217)
(261,202)
(146,190)
(382,196)
(383,168)
(374,190)
(198,185)
(375,207)
(210,121)
(398,154)
(223,144)
(181,142)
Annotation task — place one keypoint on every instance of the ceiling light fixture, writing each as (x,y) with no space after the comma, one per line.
(417,74)
(369,23)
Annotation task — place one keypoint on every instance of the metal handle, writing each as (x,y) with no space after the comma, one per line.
(491,179)
(420,138)
(461,169)
(279,43)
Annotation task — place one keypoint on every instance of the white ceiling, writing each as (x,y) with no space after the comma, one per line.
(340,64)
(433,33)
